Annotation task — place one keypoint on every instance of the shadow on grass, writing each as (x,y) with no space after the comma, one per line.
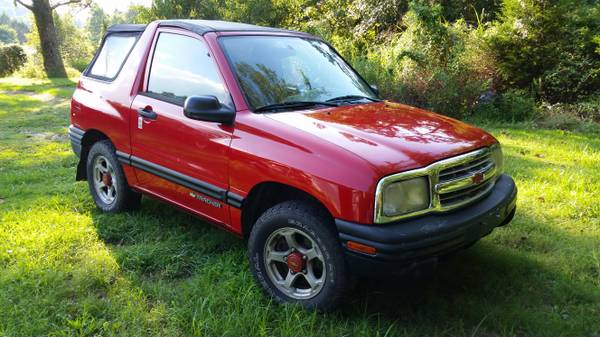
(492,287)
(159,240)
(501,287)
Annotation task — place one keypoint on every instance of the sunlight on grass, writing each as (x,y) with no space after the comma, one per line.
(59,87)
(68,269)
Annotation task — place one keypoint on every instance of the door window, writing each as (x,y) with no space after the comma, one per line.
(182,66)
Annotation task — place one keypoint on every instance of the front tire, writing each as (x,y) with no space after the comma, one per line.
(106,180)
(296,257)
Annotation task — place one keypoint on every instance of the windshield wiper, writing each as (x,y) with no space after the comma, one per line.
(292,105)
(348,98)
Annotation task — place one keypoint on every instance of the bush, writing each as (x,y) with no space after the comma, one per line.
(511,106)
(12,57)
(33,68)
(432,64)
(80,63)
(572,115)
(549,47)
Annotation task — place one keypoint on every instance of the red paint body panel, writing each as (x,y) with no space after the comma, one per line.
(106,106)
(194,148)
(336,154)
(392,137)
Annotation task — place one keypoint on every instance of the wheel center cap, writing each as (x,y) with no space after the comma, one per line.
(107,179)
(295,262)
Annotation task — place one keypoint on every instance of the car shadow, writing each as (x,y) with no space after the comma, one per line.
(513,282)
(498,284)
(160,241)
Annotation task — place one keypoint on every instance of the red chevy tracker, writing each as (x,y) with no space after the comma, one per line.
(270,134)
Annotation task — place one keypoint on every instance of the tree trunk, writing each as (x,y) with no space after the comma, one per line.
(53,63)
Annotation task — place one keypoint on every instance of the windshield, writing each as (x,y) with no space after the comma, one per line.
(279,69)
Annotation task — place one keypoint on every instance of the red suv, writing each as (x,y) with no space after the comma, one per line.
(271,135)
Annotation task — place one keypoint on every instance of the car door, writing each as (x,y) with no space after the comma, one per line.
(176,158)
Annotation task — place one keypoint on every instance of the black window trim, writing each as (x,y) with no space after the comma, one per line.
(88,69)
(172,100)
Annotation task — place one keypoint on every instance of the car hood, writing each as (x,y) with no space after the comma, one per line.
(392,137)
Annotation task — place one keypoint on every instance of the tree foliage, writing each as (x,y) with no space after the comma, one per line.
(99,21)
(8,34)
(74,43)
(458,57)
(549,47)
(21,28)
(451,56)
(96,24)
(43,11)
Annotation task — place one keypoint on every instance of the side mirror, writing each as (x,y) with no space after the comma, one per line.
(375,89)
(209,109)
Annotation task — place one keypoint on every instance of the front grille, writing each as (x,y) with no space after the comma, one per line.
(465,169)
(462,196)
(466,181)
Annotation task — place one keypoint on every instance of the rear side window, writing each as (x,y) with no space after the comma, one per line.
(112,55)
(182,66)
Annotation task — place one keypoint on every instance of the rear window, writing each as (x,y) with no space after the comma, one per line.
(113,53)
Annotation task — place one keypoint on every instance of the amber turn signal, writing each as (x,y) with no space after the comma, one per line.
(359,247)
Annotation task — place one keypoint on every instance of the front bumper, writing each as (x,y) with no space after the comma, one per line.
(405,245)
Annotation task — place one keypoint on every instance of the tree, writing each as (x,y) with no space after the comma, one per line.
(42,12)
(20,27)
(188,9)
(96,24)
(99,21)
(75,46)
(7,34)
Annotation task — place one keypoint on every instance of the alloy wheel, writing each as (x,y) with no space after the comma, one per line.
(294,263)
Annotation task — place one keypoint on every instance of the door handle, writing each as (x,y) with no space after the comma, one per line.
(147,113)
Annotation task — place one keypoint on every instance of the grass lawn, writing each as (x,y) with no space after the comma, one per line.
(67,269)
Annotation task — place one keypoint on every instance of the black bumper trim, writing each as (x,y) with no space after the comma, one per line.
(76,136)
(408,241)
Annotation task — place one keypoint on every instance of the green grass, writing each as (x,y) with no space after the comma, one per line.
(67,269)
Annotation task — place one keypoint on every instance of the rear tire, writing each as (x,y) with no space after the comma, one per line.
(296,257)
(106,180)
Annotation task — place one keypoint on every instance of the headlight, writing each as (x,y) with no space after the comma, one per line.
(405,196)
(498,158)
